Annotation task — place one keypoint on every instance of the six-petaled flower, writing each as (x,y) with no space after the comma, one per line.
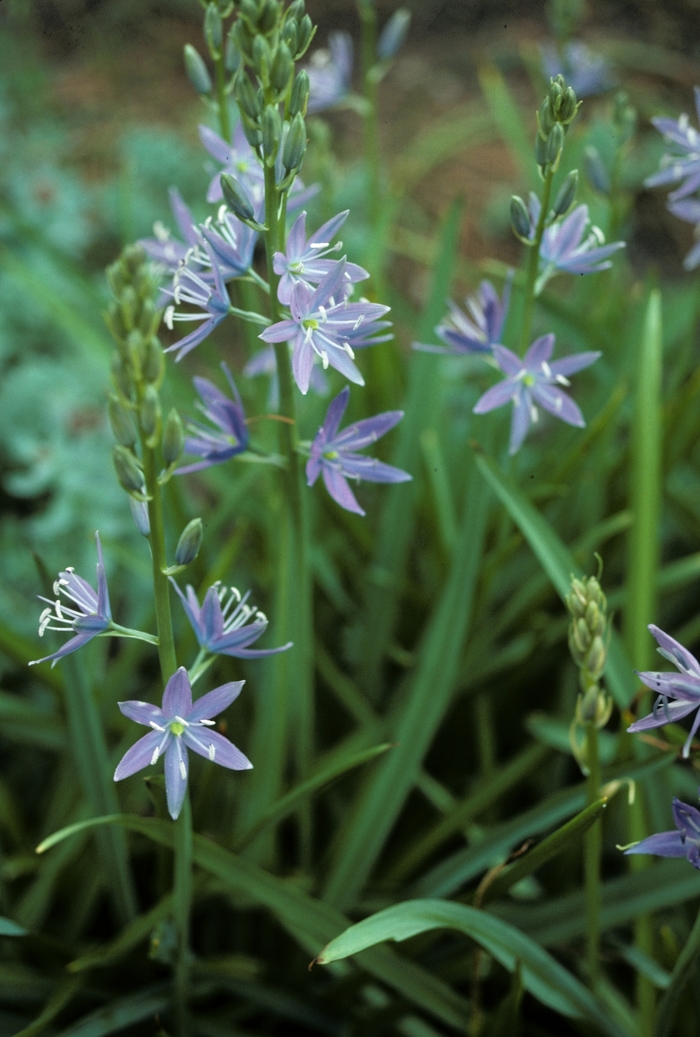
(322,324)
(481,330)
(225,624)
(682,688)
(330,72)
(531,381)
(303,260)
(230,437)
(91,616)
(567,248)
(176,726)
(683,164)
(210,299)
(334,454)
(684,842)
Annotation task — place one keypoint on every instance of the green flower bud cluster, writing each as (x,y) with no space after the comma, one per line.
(138,367)
(557,112)
(588,646)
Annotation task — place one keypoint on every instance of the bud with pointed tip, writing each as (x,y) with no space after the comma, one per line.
(282,69)
(153,365)
(120,377)
(567,194)
(149,412)
(394,34)
(294,144)
(121,423)
(555,145)
(262,58)
(306,34)
(519,218)
(190,542)
(173,438)
(139,513)
(290,35)
(545,118)
(128,471)
(247,97)
(213,30)
(568,107)
(300,94)
(236,198)
(232,55)
(197,71)
(271,133)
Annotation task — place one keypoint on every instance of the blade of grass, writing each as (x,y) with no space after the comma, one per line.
(63,995)
(416,721)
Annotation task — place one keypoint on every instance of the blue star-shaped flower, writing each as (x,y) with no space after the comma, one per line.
(685,842)
(215,447)
(303,260)
(683,163)
(226,626)
(481,330)
(683,688)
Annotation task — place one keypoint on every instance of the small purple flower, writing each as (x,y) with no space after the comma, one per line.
(333,453)
(685,842)
(162,248)
(92,616)
(684,162)
(564,247)
(533,380)
(179,725)
(320,326)
(688,209)
(265,363)
(191,288)
(682,687)
(303,262)
(222,626)
(479,332)
(585,71)
(232,245)
(330,72)
(227,414)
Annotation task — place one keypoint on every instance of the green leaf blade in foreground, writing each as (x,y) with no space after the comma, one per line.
(557,562)
(542,975)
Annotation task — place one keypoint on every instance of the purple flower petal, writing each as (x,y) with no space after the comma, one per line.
(177,697)
(141,754)
(663,713)
(557,403)
(497,396)
(215,702)
(520,421)
(539,353)
(365,432)
(143,712)
(571,364)
(663,844)
(339,490)
(176,772)
(675,652)
(508,361)
(213,746)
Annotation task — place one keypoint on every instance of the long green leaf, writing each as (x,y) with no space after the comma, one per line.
(396,527)
(130,936)
(541,974)
(306,918)
(119,1014)
(419,716)
(63,994)
(558,563)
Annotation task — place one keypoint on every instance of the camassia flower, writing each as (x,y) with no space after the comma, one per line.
(531,381)
(334,454)
(481,330)
(683,163)
(227,414)
(211,300)
(322,324)
(176,726)
(330,72)
(91,616)
(682,688)
(303,260)
(163,248)
(226,625)
(564,247)
(685,842)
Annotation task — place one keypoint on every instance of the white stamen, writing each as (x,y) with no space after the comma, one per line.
(156,754)
(181,721)
(547,369)
(156,727)
(168,317)
(561,380)
(534,414)
(212,751)
(324,359)
(183,770)
(208,723)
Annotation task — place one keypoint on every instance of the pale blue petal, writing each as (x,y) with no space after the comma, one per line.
(177,697)
(215,702)
(206,742)
(141,754)
(176,763)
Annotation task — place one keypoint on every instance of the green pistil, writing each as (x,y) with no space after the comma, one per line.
(176,727)
(529,379)
(330,454)
(311,324)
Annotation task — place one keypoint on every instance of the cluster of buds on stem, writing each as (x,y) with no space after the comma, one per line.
(588,636)
(134,408)
(557,112)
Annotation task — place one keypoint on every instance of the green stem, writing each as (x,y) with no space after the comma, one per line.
(182,899)
(533,263)
(368,21)
(593,845)
(221,98)
(161,587)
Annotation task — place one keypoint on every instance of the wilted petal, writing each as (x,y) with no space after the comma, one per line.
(215,702)
(213,746)
(177,697)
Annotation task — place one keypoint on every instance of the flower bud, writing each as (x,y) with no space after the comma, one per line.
(149,317)
(271,133)
(128,471)
(581,636)
(394,34)
(567,194)
(173,438)
(290,35)
(247,97)
(300,94)
(236,198)
(519,218)
(595,620)
(594,662)
(120,377)
(306,34)
(282,69)
(232,55)
(149,411)
(190,542)
(294,144)
(296,10)
(250,11)
(557,86)
(121,423)
(139,513)
(262,58)
(213,30)
(541,150)
(197,71)
(555,144)
(252,134)
(568,107)
(269,16)
(545,118)
(596,171)
(242,37)
(153,366)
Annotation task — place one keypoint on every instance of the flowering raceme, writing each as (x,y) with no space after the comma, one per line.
(334,456)
(176,726)
(532,380)
(683,688)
